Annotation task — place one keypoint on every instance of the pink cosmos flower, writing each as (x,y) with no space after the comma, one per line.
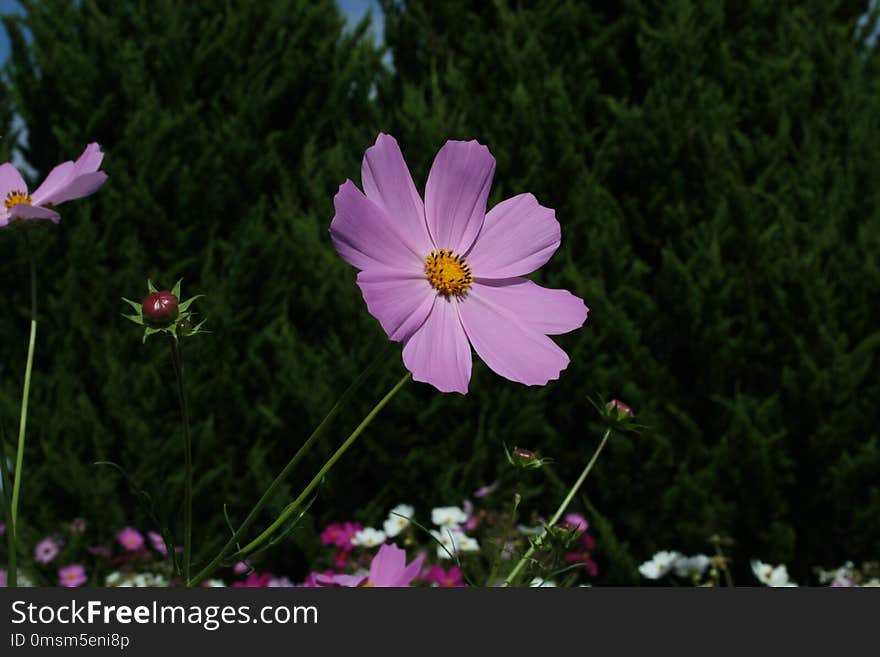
(444,578)
(255,581)
(340,534)
(443,274)
(67,181)
(72,576)
(575,521)
(388,569)
(131,539)
(46,550)
(158,543)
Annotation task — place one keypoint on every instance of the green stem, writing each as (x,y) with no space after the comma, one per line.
(288,469)
(562,507)
(177,359)
(288,511)
(22,425)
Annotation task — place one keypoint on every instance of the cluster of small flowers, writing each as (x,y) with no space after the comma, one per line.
(67,546)
(848,575)
(670,561)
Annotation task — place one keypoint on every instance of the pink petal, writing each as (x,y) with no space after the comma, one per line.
(409,573)
(10,181)
(456,193)
(541,309)
(89,160)
(25,211)
(506,342)
(518,236)
(438,352)
(387,565)
(366,237)
(399,300)
(77,187)
(339,580)
(388,183)
(55,180)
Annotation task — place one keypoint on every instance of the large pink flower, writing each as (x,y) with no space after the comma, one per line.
(387,569)
(443,275)
(67,181)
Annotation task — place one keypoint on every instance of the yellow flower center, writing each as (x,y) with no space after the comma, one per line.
(16,198)
(367,585)
(449,274)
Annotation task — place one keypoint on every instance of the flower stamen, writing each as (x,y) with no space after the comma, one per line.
(449,274)
(14,198)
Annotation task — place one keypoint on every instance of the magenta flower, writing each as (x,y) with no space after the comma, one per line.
(255,581)
(158,543)
(388,569)
(444,578)
(340,534)
(575,522)
(131,539)
(67,181)
(72,576)
(443,275)
(46,550)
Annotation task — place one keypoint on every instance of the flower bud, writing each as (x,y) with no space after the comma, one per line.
(617,410)
(160,308)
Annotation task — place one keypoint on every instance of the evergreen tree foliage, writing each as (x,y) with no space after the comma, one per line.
(712,166)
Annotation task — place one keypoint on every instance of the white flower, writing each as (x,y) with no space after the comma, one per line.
(138,580)
(872,583)
(280,583)
(691,566)
(448,516)
(659,565)
(398,519)
(214,584)
(525,530)
(368,537)
(452,541)
(540,582)
(771,576)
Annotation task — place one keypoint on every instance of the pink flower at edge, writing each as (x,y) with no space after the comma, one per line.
(131,539)
(444,578)
(576,521)
(3,578)
(46,550)
(387,569)
(67,181)
(72,576)
(158,543)
(444,275)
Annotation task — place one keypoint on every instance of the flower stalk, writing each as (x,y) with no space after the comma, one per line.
(22,425)
(511,578)
(236,537)
(177,360)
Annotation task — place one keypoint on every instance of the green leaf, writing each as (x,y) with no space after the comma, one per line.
(150,286)
(186,304)
(138,307)
(176,289)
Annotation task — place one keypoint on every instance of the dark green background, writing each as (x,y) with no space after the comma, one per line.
(713,165)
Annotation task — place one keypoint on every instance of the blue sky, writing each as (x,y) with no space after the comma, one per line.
(354,10)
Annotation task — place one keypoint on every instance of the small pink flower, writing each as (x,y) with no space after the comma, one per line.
(2,528)
(72,576)
(388,569)
(576,521)
(241,567)
(65,182)
(131,539)
(590,566)
(340,534)
(46,550)
(444,578)
(255,581)
(158,543)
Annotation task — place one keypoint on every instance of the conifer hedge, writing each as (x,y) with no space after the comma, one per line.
(713,166)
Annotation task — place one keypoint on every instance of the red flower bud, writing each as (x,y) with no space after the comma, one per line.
(618,410)
(160,308)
